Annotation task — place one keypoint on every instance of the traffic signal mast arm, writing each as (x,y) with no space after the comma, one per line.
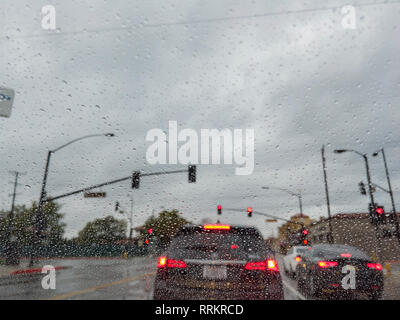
(265,215)
(113,182)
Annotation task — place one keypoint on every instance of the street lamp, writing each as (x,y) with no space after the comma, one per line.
(39,217)
(367,170)
(390,191)
(298,195)
(369,182)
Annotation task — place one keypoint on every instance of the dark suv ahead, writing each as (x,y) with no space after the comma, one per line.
(339,271)
(218,262)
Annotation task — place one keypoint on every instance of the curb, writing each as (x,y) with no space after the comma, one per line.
(30,271)
(24,275)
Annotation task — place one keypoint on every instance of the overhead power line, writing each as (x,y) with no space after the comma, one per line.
(199,21)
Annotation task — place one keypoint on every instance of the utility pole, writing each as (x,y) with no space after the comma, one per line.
(370,191)
(331,240)
(11,254)
(395,218)
(131,221)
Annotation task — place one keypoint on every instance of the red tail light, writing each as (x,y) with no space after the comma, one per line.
(375,266)
(176,264)
(169,263)
(346,255)
(298,259)
(269,264)
(327,264)
(162,262)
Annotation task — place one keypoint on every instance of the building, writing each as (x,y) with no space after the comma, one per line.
(355,229)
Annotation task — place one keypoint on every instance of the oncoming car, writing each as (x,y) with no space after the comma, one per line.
(218,261)
(323,268)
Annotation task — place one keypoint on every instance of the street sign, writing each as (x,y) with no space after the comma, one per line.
(6,102)
(271,220)
(94,194)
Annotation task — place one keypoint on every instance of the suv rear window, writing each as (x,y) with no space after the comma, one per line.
(215,241)
(335,252)
(228,245)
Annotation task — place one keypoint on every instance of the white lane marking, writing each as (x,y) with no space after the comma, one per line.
(293,290)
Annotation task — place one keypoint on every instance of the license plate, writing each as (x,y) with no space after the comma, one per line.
(215,272)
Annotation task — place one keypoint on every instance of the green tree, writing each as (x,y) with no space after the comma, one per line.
(164,226)
(103,230)
(24,221)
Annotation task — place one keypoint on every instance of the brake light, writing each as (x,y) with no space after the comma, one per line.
(271,265)
(169,263)
(162,261)
(327,264)
(375,266)
(217,227)
(298,259)
(234,246)
(176,264)
(346,255)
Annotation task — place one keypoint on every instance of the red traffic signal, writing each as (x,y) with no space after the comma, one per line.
(305,232)
(150,231)
(305,241)
(219,208)
(379,210)
(249,211)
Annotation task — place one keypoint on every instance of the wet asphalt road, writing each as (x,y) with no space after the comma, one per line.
(130,279)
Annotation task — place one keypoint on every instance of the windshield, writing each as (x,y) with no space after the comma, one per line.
(124,122)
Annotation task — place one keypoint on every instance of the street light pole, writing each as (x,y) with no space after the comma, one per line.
(39,223)
(369,191)
(298,195)
(394,214)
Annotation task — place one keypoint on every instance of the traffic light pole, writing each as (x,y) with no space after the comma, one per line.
(371,195)
(395,218)
(39,216)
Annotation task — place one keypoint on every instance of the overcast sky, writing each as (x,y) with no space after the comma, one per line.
(293,74)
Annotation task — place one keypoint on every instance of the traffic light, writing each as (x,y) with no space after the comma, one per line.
(380,213)
(150,231)
(116,206)
(192,173)
(135,180)
(377,214)
(361,185)
(303,236)
(249,212)
(219,208)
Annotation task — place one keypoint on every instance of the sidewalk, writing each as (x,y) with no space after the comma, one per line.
(392,282)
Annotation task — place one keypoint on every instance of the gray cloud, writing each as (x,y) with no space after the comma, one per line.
(299,79)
